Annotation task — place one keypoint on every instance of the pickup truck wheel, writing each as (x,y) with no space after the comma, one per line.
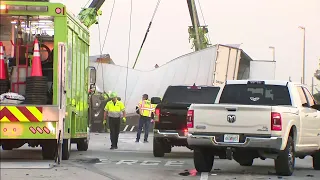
(158,150)
(285,162)
(168,148)
(316,161)
(203,161)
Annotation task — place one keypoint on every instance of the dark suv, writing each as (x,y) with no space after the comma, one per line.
(170,127)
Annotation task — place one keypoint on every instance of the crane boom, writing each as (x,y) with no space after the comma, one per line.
(197,33)
(88,16)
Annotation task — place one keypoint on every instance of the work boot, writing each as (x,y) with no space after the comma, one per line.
(145,141)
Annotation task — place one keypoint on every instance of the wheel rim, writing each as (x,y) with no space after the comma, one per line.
(291,157)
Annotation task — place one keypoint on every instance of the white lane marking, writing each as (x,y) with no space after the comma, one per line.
(174,163)
(143,163)
(204,176)
(132,128)
(128,162)
(125,128)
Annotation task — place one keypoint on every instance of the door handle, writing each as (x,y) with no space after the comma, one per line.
(306,115)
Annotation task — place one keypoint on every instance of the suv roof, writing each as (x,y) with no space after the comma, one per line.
(191,85)
(269,82)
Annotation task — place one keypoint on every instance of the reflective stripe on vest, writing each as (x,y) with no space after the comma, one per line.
(146,108)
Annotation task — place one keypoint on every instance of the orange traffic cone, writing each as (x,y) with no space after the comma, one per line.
(36,68)
(3,68)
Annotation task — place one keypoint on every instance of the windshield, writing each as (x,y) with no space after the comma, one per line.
(257,94)
(187,95)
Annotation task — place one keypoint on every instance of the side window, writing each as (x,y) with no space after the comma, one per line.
(309,97)
(303,98)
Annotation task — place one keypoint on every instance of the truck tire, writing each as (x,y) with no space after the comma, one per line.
(168,148)
(49,150)
(285,162)
(66,148)
(316,161)
(203,161)
(83,144)
(158,150)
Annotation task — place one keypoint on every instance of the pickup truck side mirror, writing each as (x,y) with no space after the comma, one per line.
(155,100)
(316,106)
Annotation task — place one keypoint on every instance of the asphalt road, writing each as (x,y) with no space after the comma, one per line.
(134,161)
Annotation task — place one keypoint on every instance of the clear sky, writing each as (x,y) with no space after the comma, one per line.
(257,24)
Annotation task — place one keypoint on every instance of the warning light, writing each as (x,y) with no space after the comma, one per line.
(194,87)
(39,130)
(32,130)
(185,132)
(5,130)
(14,129)
(46,130)
(2,7)
(58,10)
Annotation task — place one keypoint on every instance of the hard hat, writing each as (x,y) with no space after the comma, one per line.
(113,95)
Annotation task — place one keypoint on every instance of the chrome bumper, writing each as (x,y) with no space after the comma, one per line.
(157,133)
(250,142)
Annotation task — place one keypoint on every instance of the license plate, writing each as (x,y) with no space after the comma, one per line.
(231,138)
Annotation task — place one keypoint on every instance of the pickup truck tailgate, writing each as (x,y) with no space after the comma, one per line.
(173,117)
(226,118)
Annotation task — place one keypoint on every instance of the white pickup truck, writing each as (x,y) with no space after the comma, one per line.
(256,119)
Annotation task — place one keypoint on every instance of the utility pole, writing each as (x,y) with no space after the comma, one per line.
(304,54)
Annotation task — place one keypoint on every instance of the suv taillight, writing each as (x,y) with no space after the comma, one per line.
(276,121)
(157,114)
(190,116)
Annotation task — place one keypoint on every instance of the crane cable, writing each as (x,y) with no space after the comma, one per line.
(105,37)
(129,43)
(145,36)
(204,21)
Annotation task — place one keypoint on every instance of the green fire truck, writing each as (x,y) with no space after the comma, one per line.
(61,116)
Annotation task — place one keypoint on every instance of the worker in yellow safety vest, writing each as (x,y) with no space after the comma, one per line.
(146,111)
(114,109)
(105,124)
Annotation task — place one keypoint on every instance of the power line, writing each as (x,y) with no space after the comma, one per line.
(100,55)
(145,36)
(87,3)
(105,37)
(129,43)
(204,21)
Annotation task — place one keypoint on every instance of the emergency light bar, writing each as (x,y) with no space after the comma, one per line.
(24,8)
(3,7)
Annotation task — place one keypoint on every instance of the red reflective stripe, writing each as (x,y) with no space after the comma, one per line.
(6,113)
(142,105)
(28,114)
